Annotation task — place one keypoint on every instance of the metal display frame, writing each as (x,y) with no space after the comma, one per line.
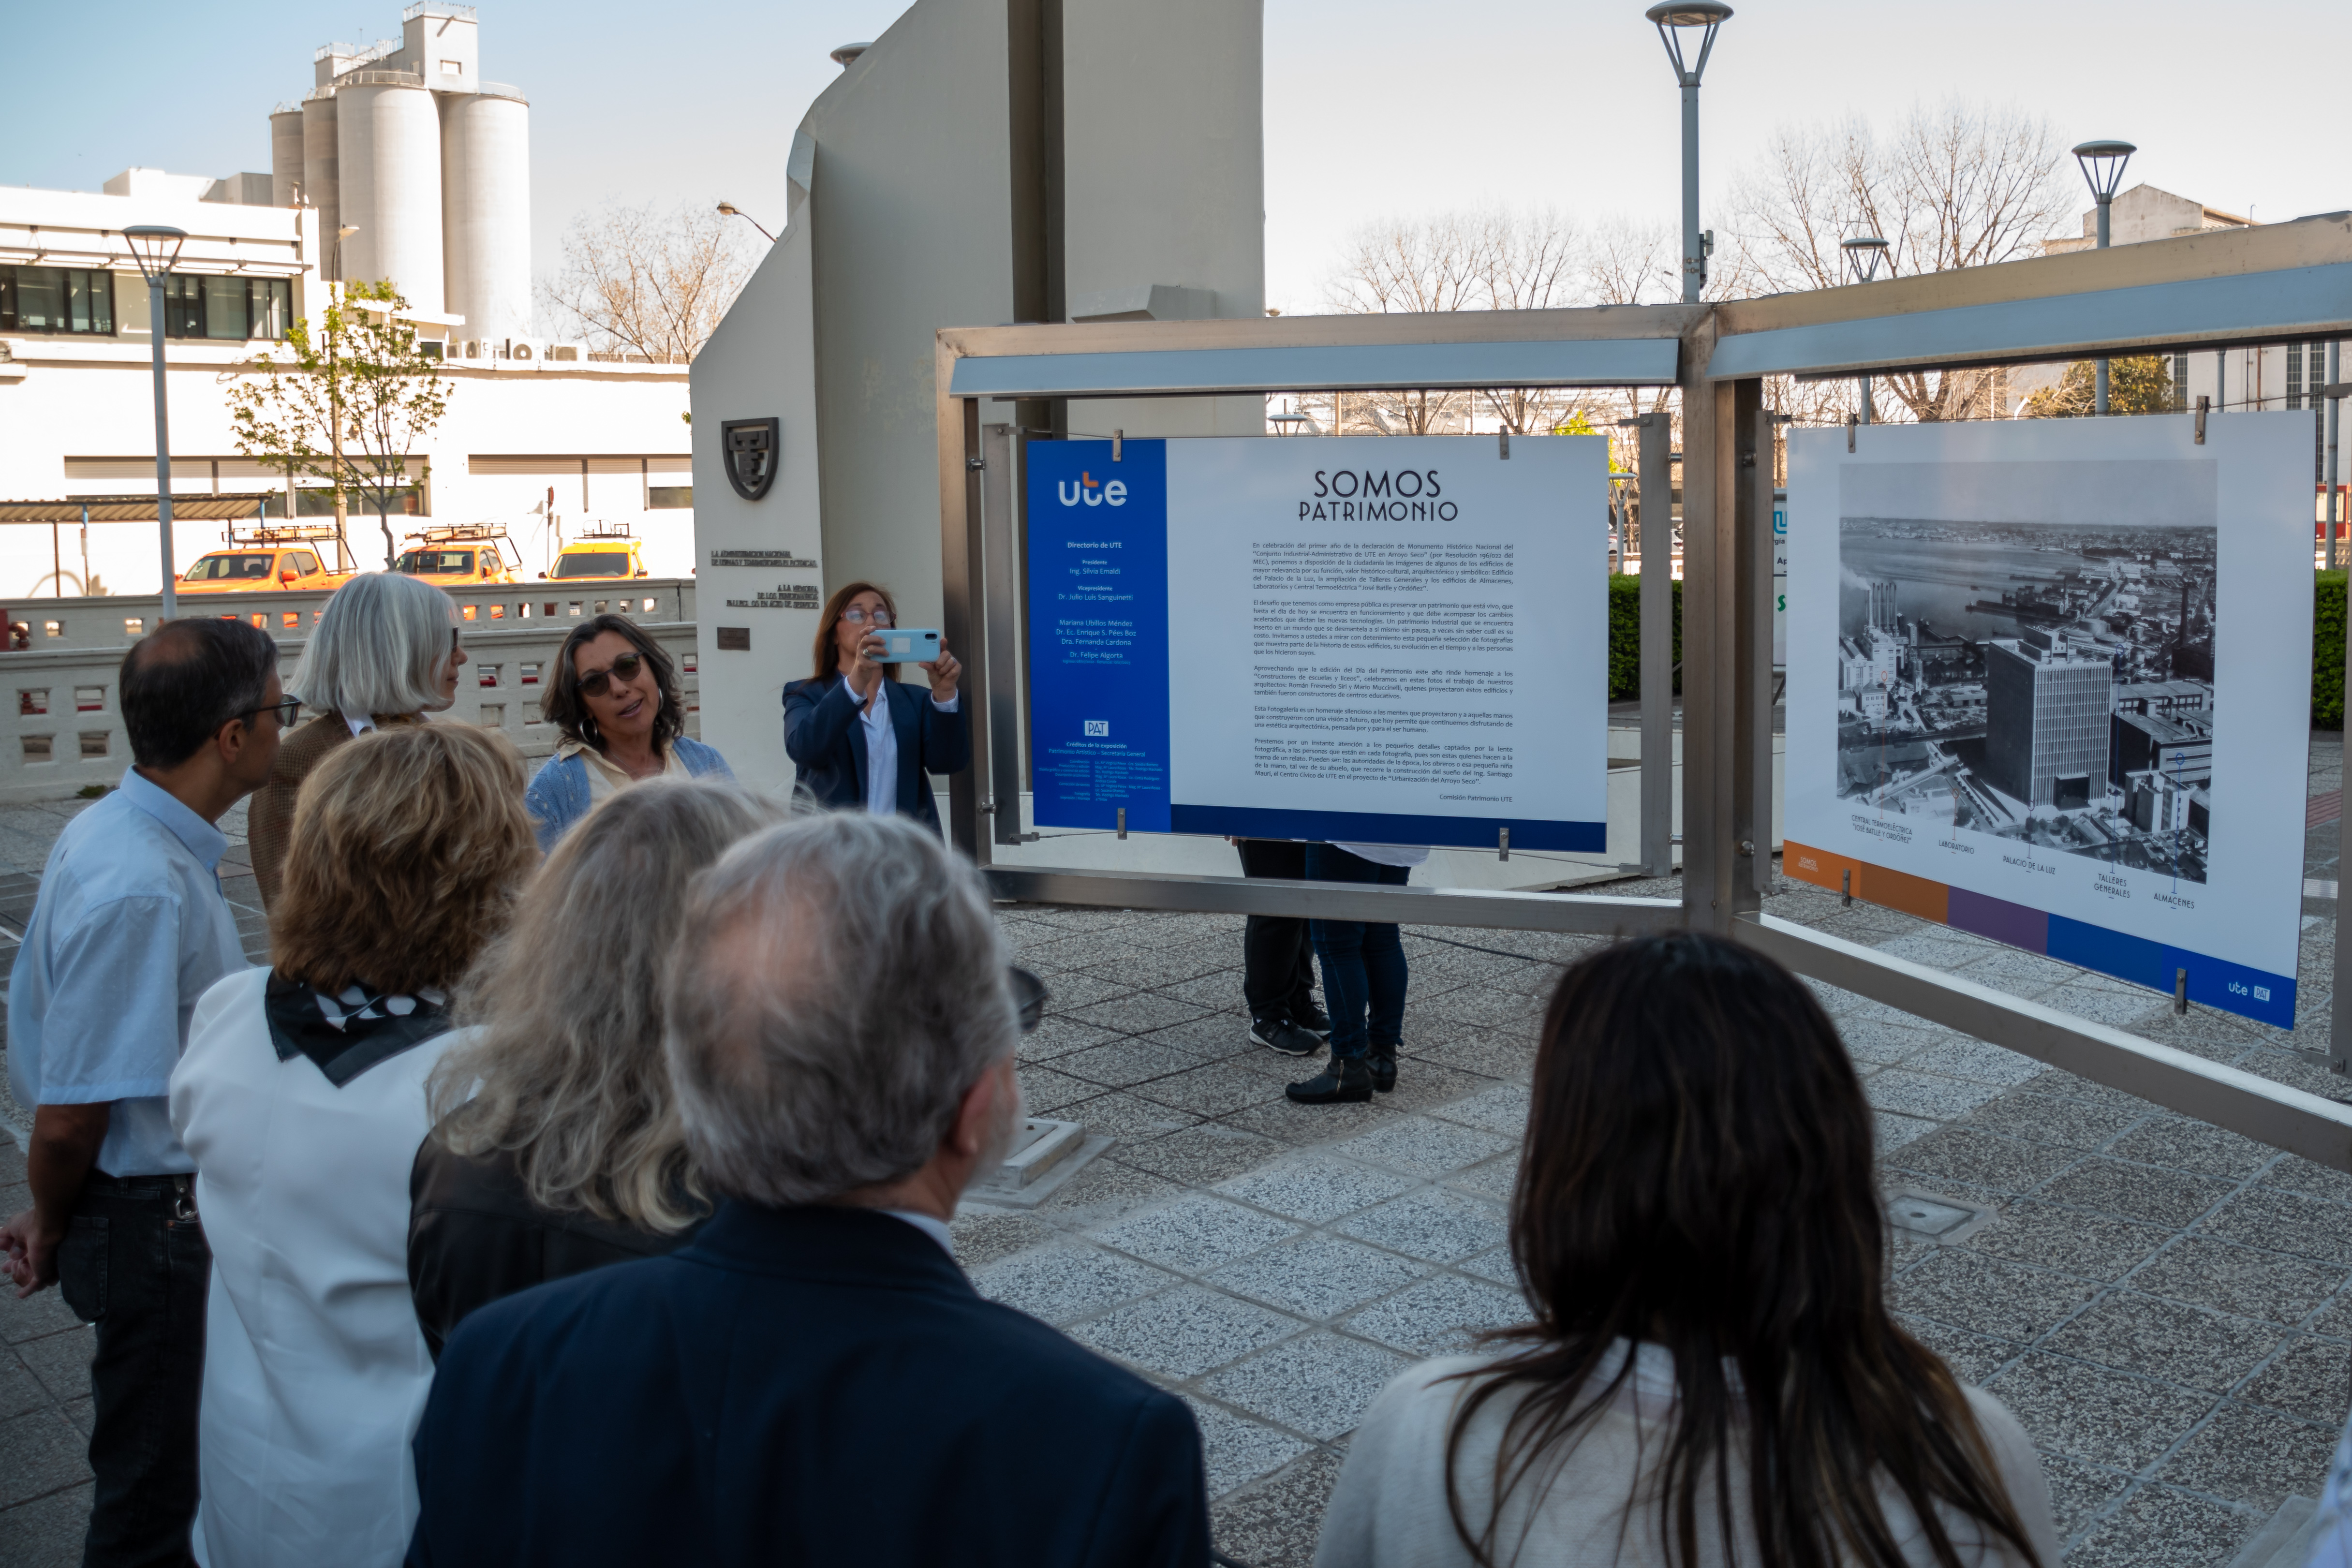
(2279,283)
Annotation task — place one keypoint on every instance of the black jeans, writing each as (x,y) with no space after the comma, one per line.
(136,1264)
(1278,962)
(1364,970)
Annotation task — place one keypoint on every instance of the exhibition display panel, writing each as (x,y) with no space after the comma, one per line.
(2047,681)
(1391,641)
(2042,687)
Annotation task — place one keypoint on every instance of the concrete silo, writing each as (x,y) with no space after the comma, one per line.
(486,211)
(388,134)
(285,155)
(321,158)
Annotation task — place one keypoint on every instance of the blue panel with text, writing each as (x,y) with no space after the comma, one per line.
(1099,633)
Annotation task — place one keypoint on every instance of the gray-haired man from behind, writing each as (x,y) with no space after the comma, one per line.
(813,1379)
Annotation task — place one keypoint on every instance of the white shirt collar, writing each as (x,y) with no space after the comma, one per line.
(361,723)
(930,1226)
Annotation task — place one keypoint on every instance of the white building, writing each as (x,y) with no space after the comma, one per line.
(971,166)
(2271,379)
(535,430)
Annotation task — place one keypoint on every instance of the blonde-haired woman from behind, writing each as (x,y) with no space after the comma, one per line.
(302,1099)
(556,1147)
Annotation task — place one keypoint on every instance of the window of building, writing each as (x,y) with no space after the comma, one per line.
(56,299)
(669,498)
(232,309)
(2181,381)
(2294,375)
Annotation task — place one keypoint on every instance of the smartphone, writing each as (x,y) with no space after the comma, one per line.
(908,645)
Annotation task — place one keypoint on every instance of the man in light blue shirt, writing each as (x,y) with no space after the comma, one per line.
(130,930)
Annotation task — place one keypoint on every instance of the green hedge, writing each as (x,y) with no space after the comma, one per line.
(1626,637)
(2326,651)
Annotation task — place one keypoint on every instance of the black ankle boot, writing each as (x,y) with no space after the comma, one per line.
(1381,1064)
(1344,1080)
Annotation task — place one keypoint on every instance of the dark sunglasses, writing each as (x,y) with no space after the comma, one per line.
(1030,995)
(596,682)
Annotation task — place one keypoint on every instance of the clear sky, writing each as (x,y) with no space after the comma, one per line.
(1372,107)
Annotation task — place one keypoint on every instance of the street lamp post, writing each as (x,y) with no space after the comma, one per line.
(155,247)
(729,209)
(335,397)
(1673,17)
(2103,166)
(1863,254)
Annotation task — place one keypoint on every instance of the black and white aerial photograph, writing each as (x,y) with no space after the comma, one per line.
(2046,682)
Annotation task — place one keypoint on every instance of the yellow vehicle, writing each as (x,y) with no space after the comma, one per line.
(605,553)
(461,555)
(266,559)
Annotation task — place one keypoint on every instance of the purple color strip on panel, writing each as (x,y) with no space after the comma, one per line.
(2000,920)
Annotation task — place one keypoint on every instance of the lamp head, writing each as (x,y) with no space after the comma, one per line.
(1676,17)
(726,209)
(846,55)
(1863,252)
(344,231)
(2103,166)
(155,246)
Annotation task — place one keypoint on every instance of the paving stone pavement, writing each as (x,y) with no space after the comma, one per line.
(2162,1304)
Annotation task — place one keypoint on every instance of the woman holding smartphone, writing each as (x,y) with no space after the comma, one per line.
(859,735)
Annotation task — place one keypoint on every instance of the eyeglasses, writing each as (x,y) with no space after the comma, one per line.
(859,618)
(596,682)
(287,711)
(1030,995)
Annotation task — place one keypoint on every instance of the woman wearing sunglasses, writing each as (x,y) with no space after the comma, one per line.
(613,694)
(861,737)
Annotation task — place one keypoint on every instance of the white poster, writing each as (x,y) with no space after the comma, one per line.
(2048,681)
(1381,640)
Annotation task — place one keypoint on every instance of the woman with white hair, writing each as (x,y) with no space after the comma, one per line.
(557,1146)
(385,651)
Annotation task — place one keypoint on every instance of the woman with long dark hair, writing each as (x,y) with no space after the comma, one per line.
(1713,1376)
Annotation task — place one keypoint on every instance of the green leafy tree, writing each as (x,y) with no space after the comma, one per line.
(351,404)
(2141,386)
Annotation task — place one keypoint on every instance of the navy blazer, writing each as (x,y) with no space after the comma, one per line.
(825,740)
(809,1386)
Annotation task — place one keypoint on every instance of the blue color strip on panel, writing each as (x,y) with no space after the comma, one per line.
(1099,633)
(1380,827)
(2214,983)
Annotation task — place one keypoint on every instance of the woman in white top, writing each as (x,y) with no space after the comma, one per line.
(1712,1375)
(302,1099)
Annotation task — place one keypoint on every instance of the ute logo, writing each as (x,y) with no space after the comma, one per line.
(1092,490)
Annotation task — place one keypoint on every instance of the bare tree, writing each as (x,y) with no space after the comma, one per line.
(640,282)
(1954,186)
(1535,260)
(1421,265)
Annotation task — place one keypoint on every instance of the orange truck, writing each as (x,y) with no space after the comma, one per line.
(461,555)
(265,559)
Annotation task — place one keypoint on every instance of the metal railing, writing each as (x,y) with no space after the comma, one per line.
(60,703)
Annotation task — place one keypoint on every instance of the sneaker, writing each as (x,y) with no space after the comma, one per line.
(1381,1061)
(1312,1019)
(1343,1080)
(1282,1034)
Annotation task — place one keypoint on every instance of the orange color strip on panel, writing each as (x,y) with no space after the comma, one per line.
(1807,864)
(1900,890)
